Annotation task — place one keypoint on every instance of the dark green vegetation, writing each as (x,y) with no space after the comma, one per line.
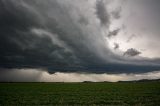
(121,94)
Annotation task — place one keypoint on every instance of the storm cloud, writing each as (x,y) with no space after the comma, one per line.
(37,37)
(64,36)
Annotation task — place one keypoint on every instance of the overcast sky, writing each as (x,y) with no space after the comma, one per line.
(97,37)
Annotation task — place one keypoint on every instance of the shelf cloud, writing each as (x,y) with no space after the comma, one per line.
(75,36)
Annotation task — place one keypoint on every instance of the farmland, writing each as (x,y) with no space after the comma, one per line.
(81,94)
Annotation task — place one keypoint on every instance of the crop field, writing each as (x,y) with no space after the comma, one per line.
(80,94)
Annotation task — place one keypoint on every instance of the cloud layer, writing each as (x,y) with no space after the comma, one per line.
(66,36)
(39,75)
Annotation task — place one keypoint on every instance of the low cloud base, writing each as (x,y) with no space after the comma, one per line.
(40,75)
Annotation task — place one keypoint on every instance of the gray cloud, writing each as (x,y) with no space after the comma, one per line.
(132,52)
(59,35)
(113,33)
(56,39)
(102,13)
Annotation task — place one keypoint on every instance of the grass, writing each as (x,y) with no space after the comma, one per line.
(80,94)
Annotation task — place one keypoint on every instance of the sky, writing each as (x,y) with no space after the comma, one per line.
(79,40)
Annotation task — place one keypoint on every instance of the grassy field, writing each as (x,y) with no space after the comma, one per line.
(80,94)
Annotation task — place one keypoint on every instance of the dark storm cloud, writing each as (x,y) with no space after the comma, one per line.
(113,33)
(21,48)
(132,52)
(27,42)
(102,13)
(58,36)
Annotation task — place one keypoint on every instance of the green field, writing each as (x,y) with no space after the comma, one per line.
(80,94)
